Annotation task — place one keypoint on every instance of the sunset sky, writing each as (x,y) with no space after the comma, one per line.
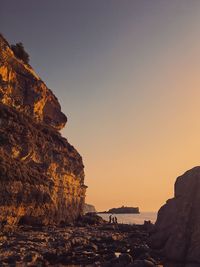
(127,75)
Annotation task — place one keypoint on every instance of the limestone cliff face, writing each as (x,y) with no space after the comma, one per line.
(22,89)
(41,174)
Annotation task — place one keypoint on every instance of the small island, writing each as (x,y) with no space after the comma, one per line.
(123,210)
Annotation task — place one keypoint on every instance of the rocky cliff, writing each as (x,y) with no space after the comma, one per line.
(177,229)
(41,174)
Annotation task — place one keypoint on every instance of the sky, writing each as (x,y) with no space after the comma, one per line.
(126,73)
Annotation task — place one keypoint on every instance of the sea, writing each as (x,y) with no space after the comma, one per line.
(132,218)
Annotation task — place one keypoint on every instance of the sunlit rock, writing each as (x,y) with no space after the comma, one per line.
(22,89)
(41,174)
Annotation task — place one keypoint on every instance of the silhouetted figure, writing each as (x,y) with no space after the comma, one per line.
(110,218)
(115,220)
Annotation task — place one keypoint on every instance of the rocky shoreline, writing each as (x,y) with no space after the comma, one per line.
(87,243)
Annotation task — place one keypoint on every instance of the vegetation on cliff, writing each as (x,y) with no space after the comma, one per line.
(20,52)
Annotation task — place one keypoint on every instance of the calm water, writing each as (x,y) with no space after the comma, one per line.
(132,218)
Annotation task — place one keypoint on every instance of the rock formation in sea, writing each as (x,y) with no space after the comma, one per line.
(41,174)
(124,210)
(177,229)
(89,208)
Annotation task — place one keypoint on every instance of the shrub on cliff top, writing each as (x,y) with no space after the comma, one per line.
(20,52)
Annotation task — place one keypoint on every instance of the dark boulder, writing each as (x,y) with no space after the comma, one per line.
(177,229)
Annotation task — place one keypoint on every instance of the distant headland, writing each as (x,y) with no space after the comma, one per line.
(123,210)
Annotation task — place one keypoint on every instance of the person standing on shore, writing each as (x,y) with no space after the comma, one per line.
(110,218)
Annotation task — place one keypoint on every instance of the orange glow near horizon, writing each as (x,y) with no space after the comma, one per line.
(127,75)
(146,132)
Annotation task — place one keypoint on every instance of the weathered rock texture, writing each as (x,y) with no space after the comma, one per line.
(177,229)
(22,89)
(41,174)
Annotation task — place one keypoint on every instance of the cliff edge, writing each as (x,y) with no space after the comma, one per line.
(41,174)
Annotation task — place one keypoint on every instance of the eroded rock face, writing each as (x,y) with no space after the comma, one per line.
(41,174)
(22,89)
(177,229)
